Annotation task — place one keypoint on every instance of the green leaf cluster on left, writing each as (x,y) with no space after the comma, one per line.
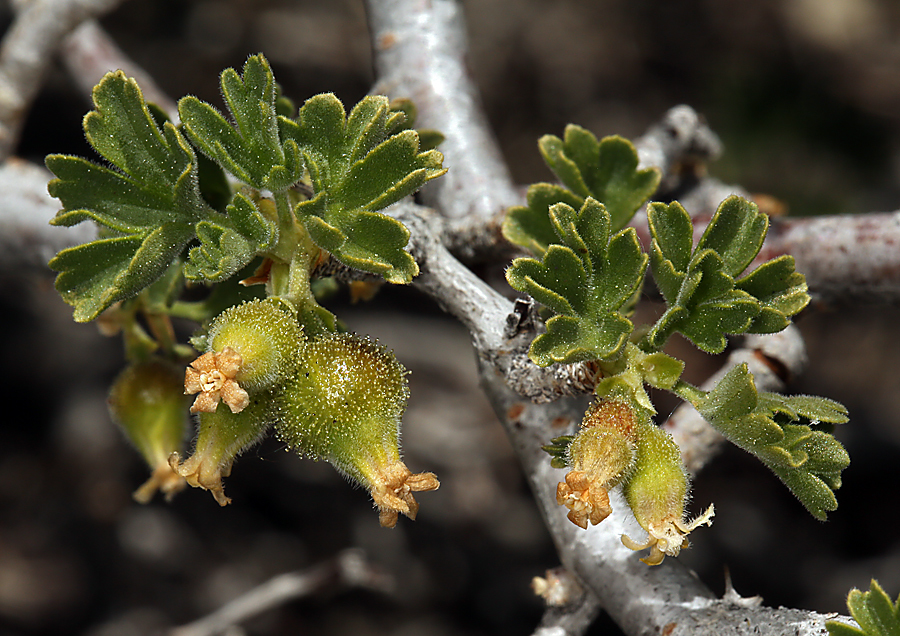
(163,193)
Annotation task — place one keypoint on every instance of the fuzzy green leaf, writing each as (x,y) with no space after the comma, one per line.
(251,149)
(605,170)
(558,449)
(529,226)
(358,166)
(149,201)
(586,278)
(781,291)
(705,302)
(808,461)
(736,233)
(225,248)
(873,611)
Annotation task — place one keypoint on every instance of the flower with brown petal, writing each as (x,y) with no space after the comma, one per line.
(212,376)
(586,499)
(392,489)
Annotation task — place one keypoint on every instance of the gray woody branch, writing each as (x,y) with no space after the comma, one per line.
(26,52)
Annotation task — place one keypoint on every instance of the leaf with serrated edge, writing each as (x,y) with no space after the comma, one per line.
(736,233)
(530,226)
(251,149)
(357,166)
(808,462)
(153,203)
(781,290)
(586,284)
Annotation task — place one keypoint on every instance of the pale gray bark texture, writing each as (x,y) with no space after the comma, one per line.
(26,52)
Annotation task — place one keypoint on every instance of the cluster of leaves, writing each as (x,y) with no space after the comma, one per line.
(160,199)
(588,272)
(873,611)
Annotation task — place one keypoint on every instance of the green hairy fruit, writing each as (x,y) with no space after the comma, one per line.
(344,405)
(348,396)
(147,402)
(267,336)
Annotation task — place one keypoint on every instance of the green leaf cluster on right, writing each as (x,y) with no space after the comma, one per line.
(587,271)
(873,611)
(706,295)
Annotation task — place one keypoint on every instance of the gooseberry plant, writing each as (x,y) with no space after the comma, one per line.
(587,270)
(254,206)
(195,204)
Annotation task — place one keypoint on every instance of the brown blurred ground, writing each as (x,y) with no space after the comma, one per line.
(806,96)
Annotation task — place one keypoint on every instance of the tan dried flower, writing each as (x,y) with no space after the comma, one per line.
(392,490)
(586,499)
(212,376)
(668,537)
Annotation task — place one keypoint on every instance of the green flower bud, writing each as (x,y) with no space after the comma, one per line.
(252,347)
(344,405)
(656,490)
(221,436)
(148,403)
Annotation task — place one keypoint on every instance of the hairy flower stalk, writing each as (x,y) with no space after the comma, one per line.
(221,436)
(656,492)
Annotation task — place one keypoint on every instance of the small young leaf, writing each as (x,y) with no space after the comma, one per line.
(605,170)
(585,278)
(149,203)
(809,462)
(558,449)
(252,150)
(736,233)
(873,611)
(529,226)
(705,301)
(358,166)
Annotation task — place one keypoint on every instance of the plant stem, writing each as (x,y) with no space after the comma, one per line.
(688,392)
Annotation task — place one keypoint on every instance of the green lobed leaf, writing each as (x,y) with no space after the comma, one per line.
(358,165)
(225,248)
(148,202)
(605,170)
(808,461)
(705,301)
(873,611)
(586,278)
(529,226)
(252,148)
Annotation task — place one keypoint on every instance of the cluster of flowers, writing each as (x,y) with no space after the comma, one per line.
(619,444)
(337,397)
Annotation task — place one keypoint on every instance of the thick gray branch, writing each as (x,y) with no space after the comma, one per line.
(419,50)
(26,52)
(27,240)
(641,599)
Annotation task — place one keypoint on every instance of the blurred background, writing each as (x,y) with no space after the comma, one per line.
(805,95)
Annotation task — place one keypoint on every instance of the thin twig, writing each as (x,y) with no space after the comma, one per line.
(89,53)
(348,569)
(26,52)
